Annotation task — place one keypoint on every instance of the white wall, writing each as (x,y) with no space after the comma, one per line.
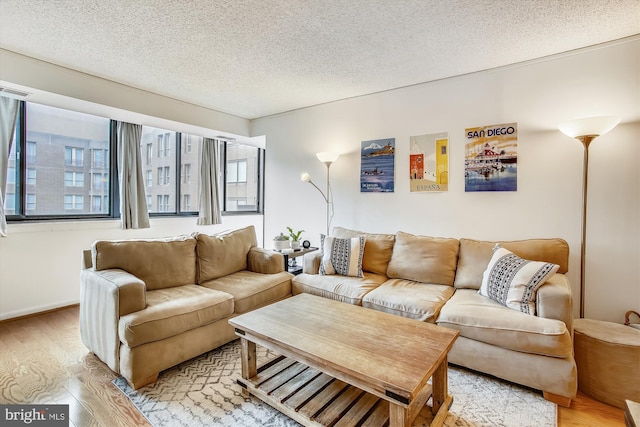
(604,80)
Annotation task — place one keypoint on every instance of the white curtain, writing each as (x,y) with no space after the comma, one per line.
(209,213)
(8,116)
(133,203)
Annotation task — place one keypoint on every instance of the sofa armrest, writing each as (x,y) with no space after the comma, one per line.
(105,296)
(312,263)
(554,300)
(265,261)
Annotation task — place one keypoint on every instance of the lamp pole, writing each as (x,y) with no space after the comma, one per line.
(586,140)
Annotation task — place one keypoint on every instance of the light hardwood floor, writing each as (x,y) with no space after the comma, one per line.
(43,360)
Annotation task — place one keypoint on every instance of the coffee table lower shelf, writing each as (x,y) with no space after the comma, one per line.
(313,398)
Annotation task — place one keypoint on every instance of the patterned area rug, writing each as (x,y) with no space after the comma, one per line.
(203,392)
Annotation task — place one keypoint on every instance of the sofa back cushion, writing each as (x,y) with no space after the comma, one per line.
(225,253)
(377,248)
(424,259)
(476,254)
(160,263)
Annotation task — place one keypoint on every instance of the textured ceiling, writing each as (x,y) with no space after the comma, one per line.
(257,58)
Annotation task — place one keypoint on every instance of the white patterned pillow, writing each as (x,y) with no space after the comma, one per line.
(341,256)
(513,281)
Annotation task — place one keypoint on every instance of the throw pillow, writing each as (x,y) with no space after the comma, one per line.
(341,256)
(513,281)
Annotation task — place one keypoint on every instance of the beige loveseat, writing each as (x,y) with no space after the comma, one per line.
(437,280)
(147,305)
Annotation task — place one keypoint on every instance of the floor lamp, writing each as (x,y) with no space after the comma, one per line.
(327,158)
(585,131)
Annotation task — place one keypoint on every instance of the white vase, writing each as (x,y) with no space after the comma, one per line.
(295,244)
(279,245)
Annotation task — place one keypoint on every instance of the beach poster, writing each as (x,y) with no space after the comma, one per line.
(491,158)
(377,166)
(429,162)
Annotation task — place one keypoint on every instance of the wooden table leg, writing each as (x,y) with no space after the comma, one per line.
(440,386)
(397,415)
(249,361)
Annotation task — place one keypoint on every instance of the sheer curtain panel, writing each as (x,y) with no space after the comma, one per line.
(133,204)
(209,213)
(8,116)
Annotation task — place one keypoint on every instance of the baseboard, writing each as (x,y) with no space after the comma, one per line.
(37,311)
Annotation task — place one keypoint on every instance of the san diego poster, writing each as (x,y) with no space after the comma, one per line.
(377,166)
(491,158)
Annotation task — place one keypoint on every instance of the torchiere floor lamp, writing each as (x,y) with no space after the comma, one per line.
(327,158)
(585,131)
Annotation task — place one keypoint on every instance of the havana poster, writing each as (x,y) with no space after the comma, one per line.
(491,158)
(429,162)
(377,166)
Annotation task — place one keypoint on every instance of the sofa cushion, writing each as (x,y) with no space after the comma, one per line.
(252,290)
(224,253)
(475,255)
(341,256)
(159,263)
(513,281)
(424,259)
(410,299)
(341,288)
(377,248)
(171,311)
(482,319)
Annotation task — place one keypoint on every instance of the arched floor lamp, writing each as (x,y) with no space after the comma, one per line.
(585,131)
(327,158)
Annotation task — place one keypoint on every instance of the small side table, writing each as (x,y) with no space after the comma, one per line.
(290,263)
(608,360)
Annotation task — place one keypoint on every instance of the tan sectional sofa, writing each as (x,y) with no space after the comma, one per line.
(147,305)
(437,280)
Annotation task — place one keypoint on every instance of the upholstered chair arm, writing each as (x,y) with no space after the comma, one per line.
(554,300)
(105,296)
(266,261)
(312,263)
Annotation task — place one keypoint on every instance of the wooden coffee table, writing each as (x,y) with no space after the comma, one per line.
(345,365)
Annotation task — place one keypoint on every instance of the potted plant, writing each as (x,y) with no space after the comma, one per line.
(295,237)
(280,242)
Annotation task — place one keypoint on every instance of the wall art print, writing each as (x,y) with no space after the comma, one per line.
(429,162)
(491,158)
(377,166)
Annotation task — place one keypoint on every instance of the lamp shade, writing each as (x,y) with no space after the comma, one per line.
(327,156)
(305,177)
(592,126)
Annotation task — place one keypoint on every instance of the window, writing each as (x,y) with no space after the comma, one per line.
(237,171)
(99,158)
(243,166)
(57,151)
(11,175)
(31,176)
(186,173)
(31,152)
(73,156)
(100,182)
(55,142)
(31,202)
(96,203)
(73,202)
(74,179)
